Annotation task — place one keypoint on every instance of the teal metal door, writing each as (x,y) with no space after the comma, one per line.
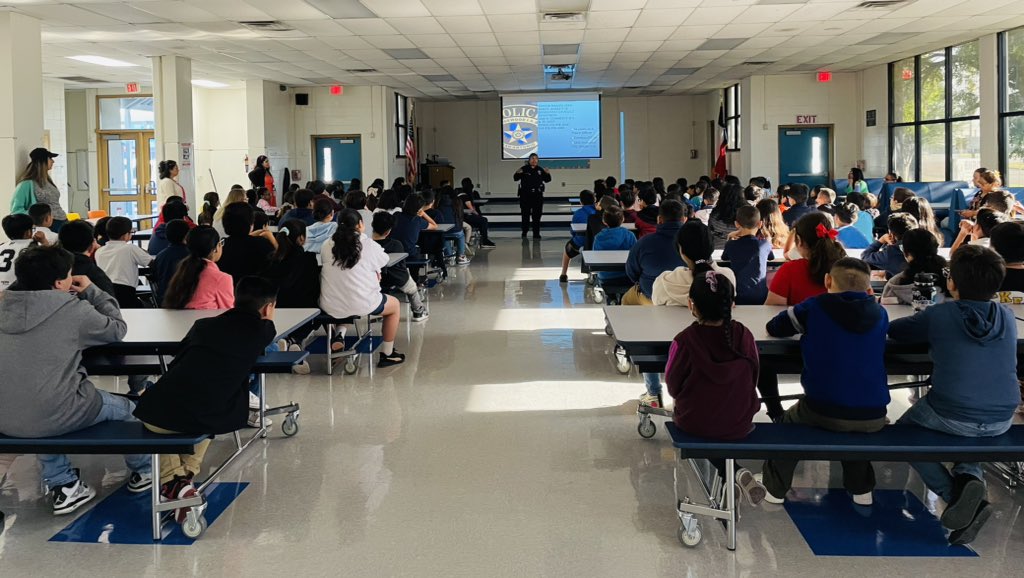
(804,156)
(338,158)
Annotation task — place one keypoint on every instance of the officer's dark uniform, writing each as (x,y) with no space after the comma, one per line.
(531,196)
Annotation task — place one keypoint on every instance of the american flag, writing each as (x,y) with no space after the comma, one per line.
(411,165)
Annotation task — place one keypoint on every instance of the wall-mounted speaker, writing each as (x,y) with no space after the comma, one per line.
(301,99)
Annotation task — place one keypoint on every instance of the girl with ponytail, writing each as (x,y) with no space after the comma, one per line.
(350,283)
(712,372)
(211,202)
(921,249)
(198,283)
(816,241)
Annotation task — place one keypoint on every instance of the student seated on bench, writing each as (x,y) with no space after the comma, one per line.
(206,387)
(851,398)
(613,238)
(654,254)
(120,259)
(78,237)
(50,317)
(397,276)
(42,216)
(886,253)
(578,240)
(712,372)
(18,228)
(973,343)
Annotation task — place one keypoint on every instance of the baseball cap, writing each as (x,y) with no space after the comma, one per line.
(40,153)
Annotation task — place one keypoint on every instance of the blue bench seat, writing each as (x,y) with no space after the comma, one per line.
(895,443)
(110,437)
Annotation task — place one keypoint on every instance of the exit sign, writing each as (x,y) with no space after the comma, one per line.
(806,119)
(337,90)
(824,76)
(131,87)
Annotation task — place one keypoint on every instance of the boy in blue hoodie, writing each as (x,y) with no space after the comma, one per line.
(613,238)
(887,252)
(974,393)
(654,254)
(847,318)
(575,244)
(323,227)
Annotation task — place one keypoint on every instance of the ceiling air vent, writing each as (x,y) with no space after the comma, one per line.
(759,62)
(83,80)
(880,4)
(563,17)
(361,70)
(267,26)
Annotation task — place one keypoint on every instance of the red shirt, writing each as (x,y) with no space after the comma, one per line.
(793,281)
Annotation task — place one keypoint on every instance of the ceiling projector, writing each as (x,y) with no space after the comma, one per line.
(561,75)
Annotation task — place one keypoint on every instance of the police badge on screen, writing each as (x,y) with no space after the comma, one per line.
(519,130)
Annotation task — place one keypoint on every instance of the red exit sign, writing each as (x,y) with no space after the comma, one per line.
(132,87)
(807,119)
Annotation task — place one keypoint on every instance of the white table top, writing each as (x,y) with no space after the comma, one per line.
(647,325)
(143,234)
(166,327)
(612,258)
(396,258)
(441,228)
(582,227)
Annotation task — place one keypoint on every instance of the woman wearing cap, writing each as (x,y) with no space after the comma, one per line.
(36,186)
(168,185)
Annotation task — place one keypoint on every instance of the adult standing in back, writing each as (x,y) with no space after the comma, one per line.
(36,186)
(168,185)
(531,178)
(262,177)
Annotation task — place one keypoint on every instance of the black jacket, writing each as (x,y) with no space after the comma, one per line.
(595,224)
(398,275)
(206,387)
(84,265)
(244,255)
(258,177)
(297,278)
(531,180)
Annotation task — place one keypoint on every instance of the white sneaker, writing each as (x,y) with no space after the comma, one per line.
(650,400)
(254,419)
(67,499)
(751,490)
(282,345)
(863,499)
(463,260)
(302,368)
(254,402)
(768,497)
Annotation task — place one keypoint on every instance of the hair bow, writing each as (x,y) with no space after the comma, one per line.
(823,232)
(284,230)
(712,278)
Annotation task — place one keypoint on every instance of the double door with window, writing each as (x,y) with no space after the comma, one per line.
(128,173)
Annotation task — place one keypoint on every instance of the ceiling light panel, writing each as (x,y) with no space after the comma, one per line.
(343,8)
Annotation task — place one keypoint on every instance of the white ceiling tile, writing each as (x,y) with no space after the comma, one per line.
(483,39)
(279,10)
(367,26)
(453,7)
(600,48)
(721,15)
(691,32)
(464,24)
(667,17)
(509,6)
(650,34)
(612,19)
(767,13)
(605,5)
(647,47)
(485,51)
(422,25)
(396,8)
(518,38)
(521,50)
(389,41)
(513,22)
(431,40)
(346,42)
(444,52)
(319,27)
(67,15)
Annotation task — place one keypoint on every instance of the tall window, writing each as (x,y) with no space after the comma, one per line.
(1011,106)
(732,117)
(401,123)
(934,122)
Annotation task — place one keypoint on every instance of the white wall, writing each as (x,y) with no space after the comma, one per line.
(660,131)
(221,139)
(776,101)
(77,139)
(874,95)
(53,124)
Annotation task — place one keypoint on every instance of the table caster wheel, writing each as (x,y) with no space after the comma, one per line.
(598,296)
(351,367)
(608,330)
(193,526)
(591,279)
(622,363)
(690,539)
(290,426)
(646,428)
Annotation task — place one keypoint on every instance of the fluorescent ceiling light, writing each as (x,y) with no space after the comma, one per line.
(208,84)
(102,61)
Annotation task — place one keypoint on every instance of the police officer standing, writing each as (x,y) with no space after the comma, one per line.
(531,179)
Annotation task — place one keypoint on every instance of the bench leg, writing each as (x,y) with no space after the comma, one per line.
(330,337)
(730,503)
(155,497)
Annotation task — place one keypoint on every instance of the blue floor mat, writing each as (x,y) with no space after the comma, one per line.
(897,524)
(124,518)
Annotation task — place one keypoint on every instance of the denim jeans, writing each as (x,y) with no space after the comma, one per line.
(935,475)
(653,383)
(254,384)
(460,241)
(56,468)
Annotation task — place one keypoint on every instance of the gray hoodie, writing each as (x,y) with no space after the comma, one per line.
(44,390)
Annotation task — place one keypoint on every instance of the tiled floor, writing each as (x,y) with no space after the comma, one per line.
(505,446)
